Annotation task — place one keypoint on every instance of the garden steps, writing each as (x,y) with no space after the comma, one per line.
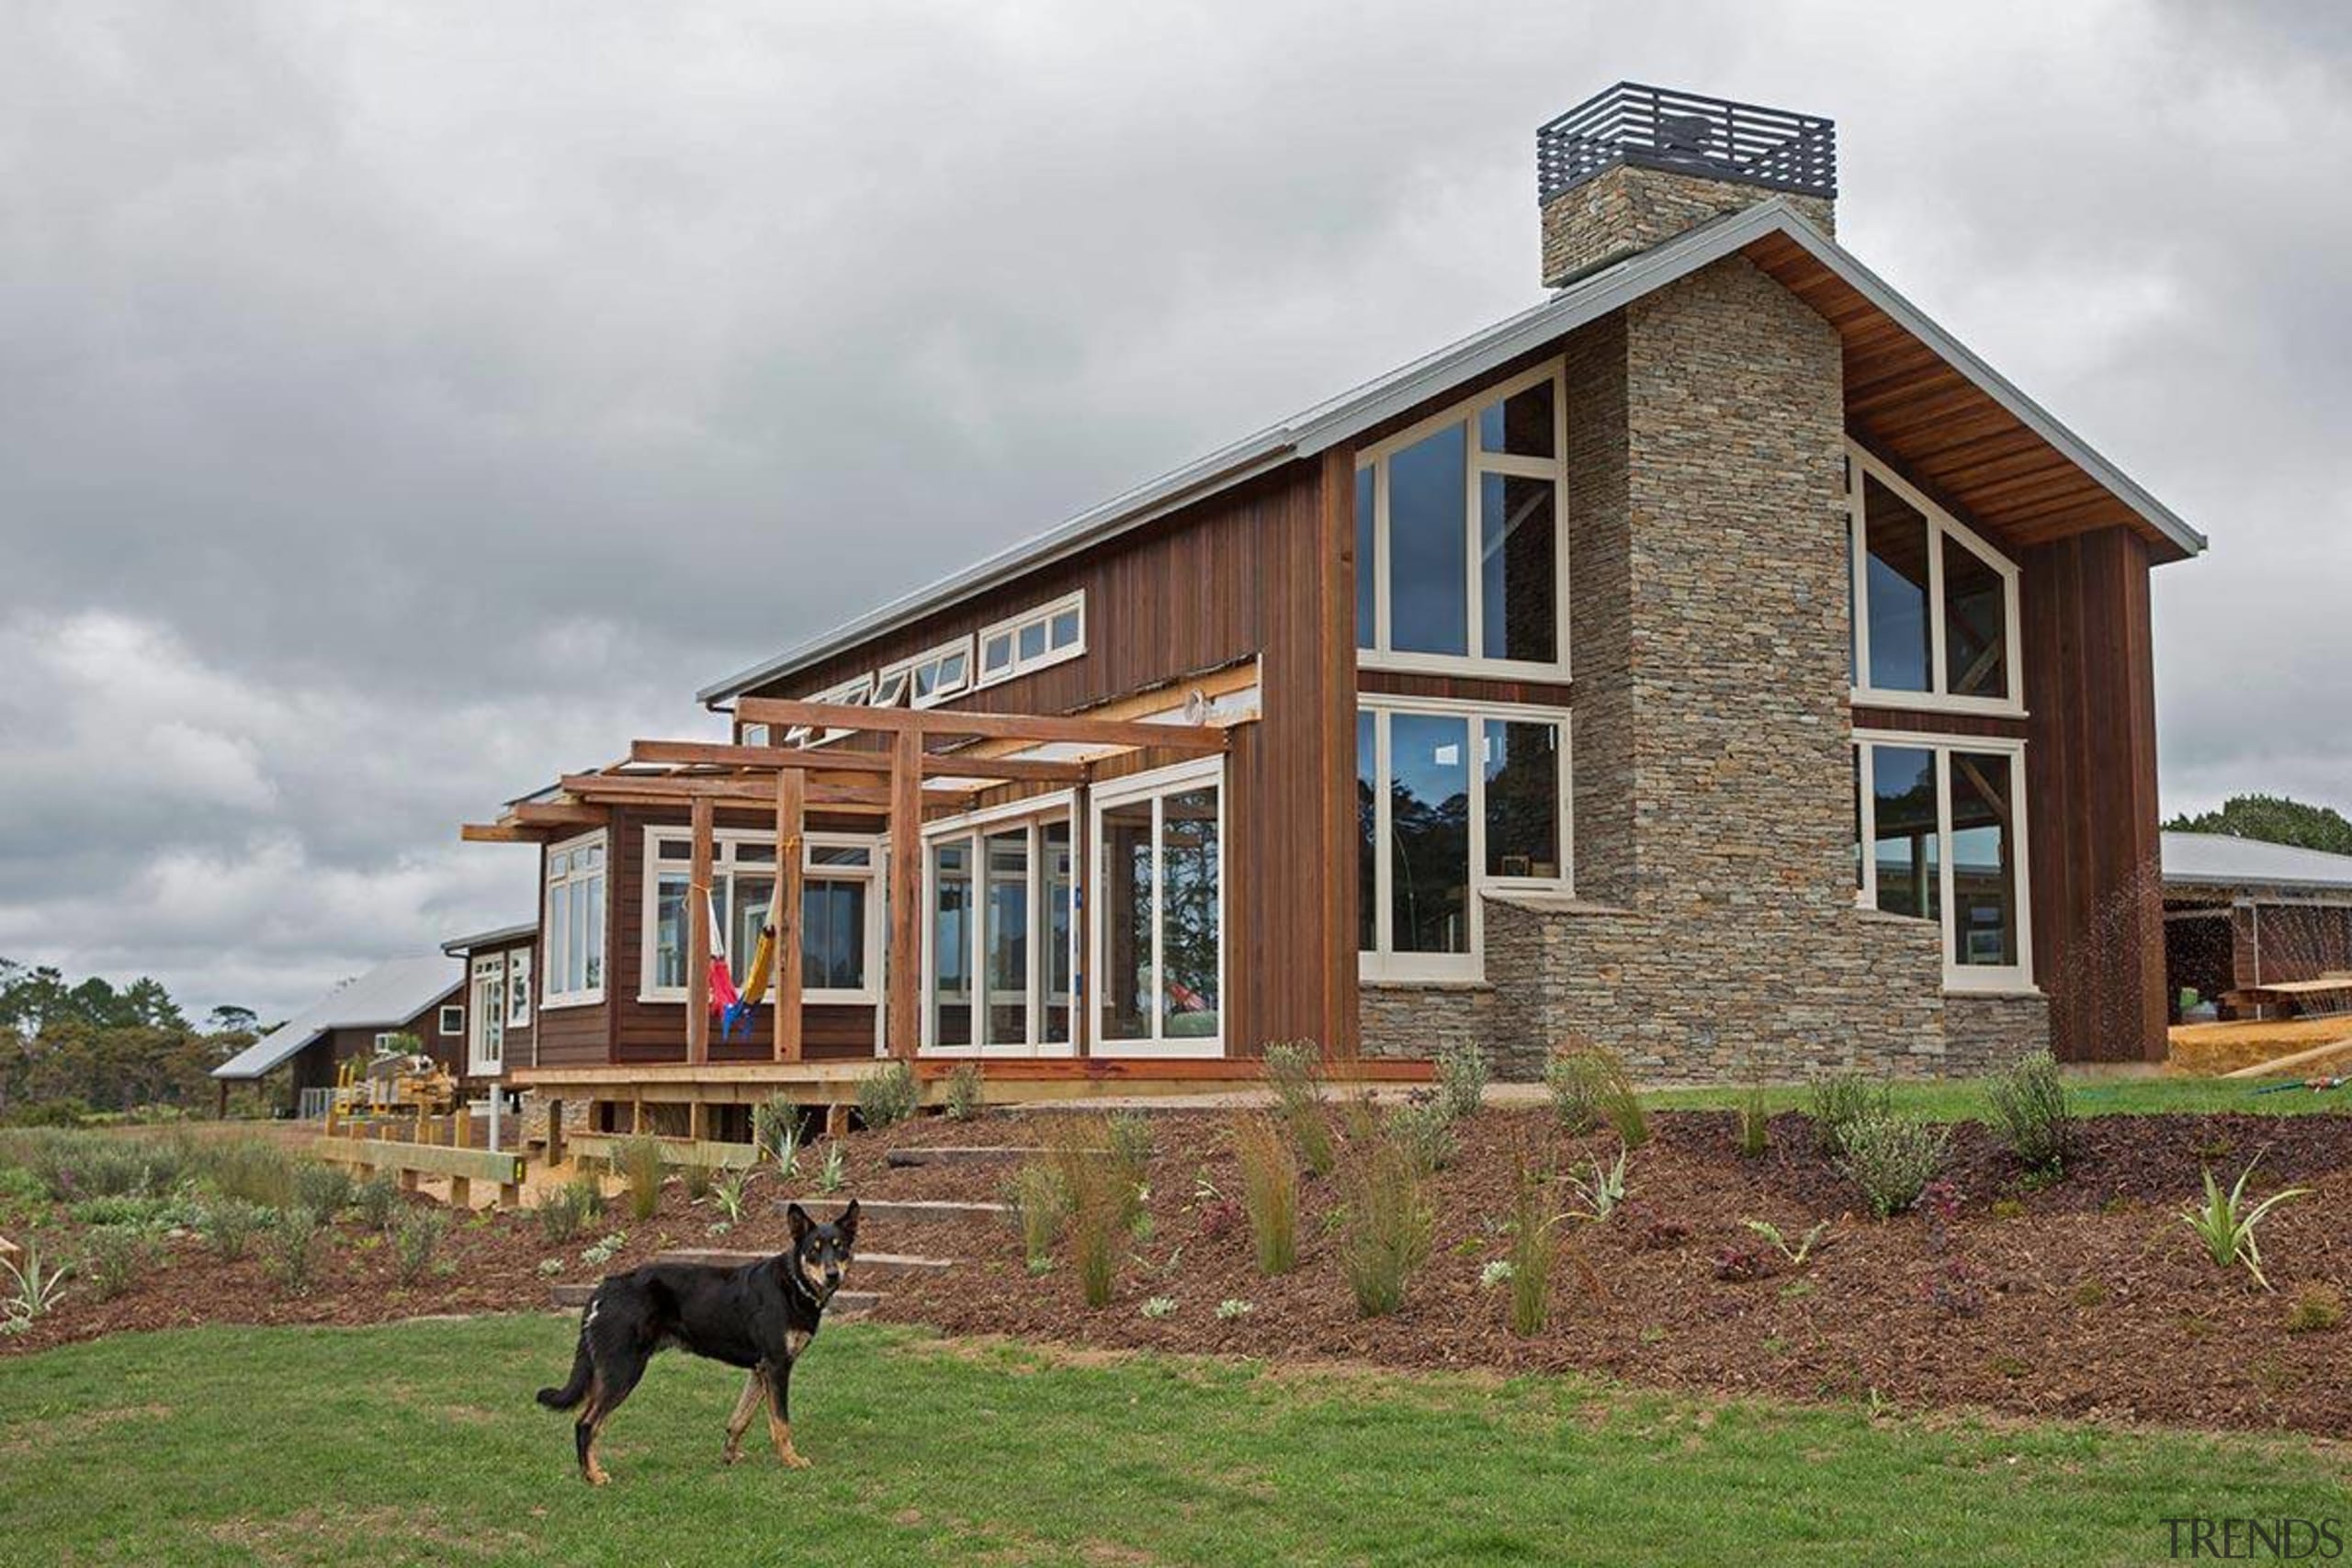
(969,1154)
(865,1265)
(919,1210)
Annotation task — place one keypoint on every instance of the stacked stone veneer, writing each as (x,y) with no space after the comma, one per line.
(1629,209)
(1714,931)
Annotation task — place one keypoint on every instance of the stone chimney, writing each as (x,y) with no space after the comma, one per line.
(1634,165)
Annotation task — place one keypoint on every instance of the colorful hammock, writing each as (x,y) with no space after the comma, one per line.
(755,982)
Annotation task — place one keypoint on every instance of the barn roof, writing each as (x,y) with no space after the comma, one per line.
(2221,860)
(384,997)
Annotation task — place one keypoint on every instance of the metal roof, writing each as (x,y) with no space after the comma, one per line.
(498,938)
(2219,859)
(384,997)
(1328,423)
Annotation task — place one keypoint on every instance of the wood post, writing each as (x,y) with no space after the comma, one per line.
(791,792)
(906,890)
(697,1120)
(510,1194)
(555,1132)
(698,944)
(461,1193)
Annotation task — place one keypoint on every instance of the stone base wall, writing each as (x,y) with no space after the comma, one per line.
(1630,209)
(535,1115)
(1420,1021)
(1985,1032)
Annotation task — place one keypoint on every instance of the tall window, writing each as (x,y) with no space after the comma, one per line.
(1003,951)
(518,989)
(486,1046)
(839,910)
(1935,622)
(574,921)
(1940,823)
(1159,907)
(1450,800)
(1460,557)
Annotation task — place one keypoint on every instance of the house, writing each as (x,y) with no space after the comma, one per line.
(1715,660)
(496,968)
(2260,930)
(419,995)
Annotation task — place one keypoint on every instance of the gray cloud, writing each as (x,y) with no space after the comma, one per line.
(400,406)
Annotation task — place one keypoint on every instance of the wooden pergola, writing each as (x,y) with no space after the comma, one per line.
(902,785)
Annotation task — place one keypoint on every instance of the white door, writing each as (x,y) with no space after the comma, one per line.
(486,1019)
(1158,903)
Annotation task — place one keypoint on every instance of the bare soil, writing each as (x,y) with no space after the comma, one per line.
(2095,1300)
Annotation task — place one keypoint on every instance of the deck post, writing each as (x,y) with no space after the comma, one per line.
(698,898)
(1082,1033)
(461,1193)
(791,794)
(906,889)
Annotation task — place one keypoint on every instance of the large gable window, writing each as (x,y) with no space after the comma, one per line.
(1460,557)
(1939,831)
(1452,800)
(1936,607)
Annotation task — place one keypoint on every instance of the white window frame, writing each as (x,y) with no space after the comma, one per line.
(1154,786)
(1037,812)
(856,692)
(751,734)
(723,842)
(1379,655)
(1384,965)
(1935,699)
(1013,625)
(441,1024)
(590,996)
(490,969)
(384,1038)
(932,658)
(518,989)
(2012,979)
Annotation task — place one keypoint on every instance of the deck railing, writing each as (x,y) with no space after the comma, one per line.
(1658,128)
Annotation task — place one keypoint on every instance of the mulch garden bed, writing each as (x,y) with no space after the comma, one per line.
(2095,1300)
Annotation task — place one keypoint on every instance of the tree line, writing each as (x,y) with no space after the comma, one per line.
(74,1050)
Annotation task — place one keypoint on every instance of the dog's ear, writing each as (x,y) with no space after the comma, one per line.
(798,1218)
(847,1226)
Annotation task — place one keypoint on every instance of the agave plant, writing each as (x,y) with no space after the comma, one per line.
(2226,1225)
(32,1292)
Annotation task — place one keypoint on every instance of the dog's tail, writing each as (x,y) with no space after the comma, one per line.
(584,1370)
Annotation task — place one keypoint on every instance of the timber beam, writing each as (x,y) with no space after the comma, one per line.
(703,753)
(1120,734)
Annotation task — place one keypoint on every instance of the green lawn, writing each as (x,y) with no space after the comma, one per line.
(1963,1099)
(419,1444)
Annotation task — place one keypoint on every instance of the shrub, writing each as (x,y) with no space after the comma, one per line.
(1891,1159)
(833,1172)
(1295,1072)
(638,1159)
(698,1178)
(253,1170)
(1739,1264)
(1840,1102)
(2226,1225)
(964,1092)
(2317,1309)
(1588,1084)
(113,1257)
(323,1190)
(1755,1124)
(888,1097)
(1389,1227)
(378,1199)
(1159,1306)
(28,1293)
(24,1198)
(146,1213)
(291,1257)
(776,1128)
(1105,1201)
(1039,1204)
(1534,1239)
(1461,1080)
(598,1253)
(416,1242)
(228,1224)
(1233,1307)
(2031,1108)
(1128,1134)
(1095,1228)
(1268,1192)
(1425,1128)
(572,1208)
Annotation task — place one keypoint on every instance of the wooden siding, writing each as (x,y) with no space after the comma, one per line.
(316,1064)
(2091,794)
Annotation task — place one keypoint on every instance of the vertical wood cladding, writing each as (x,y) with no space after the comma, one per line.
(2091,784)
(1265,570)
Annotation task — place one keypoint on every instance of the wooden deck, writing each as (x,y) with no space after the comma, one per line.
(2211,1049)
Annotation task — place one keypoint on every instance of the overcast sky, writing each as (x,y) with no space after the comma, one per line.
(400,403)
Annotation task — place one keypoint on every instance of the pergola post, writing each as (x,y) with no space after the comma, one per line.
(906,889)
(791,792)
(699,939)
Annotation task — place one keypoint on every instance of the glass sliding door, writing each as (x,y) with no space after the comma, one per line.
(1002,964)
(1160,913)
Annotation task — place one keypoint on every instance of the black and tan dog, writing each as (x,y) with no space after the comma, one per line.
(760,1316)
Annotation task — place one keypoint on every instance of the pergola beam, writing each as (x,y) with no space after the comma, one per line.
(1122,734)
(717,754)
(682,789)
(556,813)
